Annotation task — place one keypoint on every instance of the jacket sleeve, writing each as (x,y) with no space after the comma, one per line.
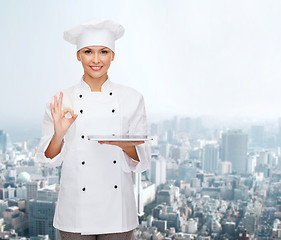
(138,126)
(47,134)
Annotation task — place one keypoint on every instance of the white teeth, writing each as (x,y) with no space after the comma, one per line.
(96,68)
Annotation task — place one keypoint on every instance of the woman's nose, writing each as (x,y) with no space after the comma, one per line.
(96,58)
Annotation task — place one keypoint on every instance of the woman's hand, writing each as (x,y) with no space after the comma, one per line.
(122,144)
(61,123)
(127,146)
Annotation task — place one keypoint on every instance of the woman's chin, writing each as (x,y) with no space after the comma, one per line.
(96,75)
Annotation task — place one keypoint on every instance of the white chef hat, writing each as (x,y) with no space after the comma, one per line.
(100,32)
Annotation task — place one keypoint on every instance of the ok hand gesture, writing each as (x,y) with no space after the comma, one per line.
(61,123)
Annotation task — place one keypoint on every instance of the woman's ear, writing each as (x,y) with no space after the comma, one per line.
(112,56)
(78,56)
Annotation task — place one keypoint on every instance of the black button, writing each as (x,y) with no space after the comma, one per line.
(83,189)
(80,95)
(82,136)
(113,134)
(115,186)
(114,161)
(81,111)
(110,93)
(83,162)
(113,110)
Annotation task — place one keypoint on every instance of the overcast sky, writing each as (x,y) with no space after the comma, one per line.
(189,58)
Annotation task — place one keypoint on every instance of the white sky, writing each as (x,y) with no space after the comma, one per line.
(188,58)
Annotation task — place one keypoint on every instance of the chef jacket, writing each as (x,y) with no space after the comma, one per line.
(96,186)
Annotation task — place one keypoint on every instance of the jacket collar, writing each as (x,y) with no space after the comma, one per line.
(105,86)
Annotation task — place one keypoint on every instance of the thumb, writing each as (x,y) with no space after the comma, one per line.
(71,120)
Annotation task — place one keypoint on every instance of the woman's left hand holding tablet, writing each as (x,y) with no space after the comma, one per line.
(127,146)
(122,144)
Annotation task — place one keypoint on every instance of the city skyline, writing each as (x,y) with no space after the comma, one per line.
(197,184)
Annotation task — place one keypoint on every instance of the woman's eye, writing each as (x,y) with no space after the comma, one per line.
(104,52)
(87,51)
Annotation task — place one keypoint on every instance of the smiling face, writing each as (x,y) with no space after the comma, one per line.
(95,60)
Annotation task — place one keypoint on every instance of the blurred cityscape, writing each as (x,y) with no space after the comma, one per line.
(207,180)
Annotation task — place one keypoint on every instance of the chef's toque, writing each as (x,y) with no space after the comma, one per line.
(99,32)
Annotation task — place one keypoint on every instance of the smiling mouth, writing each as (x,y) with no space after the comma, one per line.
(96,68)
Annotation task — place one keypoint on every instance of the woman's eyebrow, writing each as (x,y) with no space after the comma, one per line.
(93,49)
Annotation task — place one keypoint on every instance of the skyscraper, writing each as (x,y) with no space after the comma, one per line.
(279,133)
(210,158)
(41,212)
(257,135)
(234,149)
(3,141)
(158,170)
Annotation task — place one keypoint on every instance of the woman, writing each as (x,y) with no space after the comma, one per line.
(96,198)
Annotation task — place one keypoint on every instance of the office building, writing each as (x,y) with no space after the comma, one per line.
(234,150)
(210,158)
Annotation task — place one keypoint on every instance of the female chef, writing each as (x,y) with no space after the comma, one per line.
(96,198)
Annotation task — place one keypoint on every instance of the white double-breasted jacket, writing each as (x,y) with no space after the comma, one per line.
(96,187)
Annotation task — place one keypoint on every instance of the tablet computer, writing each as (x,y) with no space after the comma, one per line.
(132,138)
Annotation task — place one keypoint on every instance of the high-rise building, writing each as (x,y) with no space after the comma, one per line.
(185,125)
(40,218)
(225,168)
(15,219)
(158,170)
(31,191)
(165,196)
(252,163)
(215,226)
(32,188)
(41,212)
(210,158)
(164,149)
(234,149)
(257,135)
(192,225)
(250,222)
(154,129)
(279,132)
(3,141)
(155,171)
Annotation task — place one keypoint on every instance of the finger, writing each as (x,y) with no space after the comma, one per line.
(66,110)
(60,100)
(72,113)
(71,120)
(116,143)
(137,142)
(52,109)
(108,142)
(112,142)
(74,117)
(55,103)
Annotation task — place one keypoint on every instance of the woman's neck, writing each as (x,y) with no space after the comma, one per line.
(95,83)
